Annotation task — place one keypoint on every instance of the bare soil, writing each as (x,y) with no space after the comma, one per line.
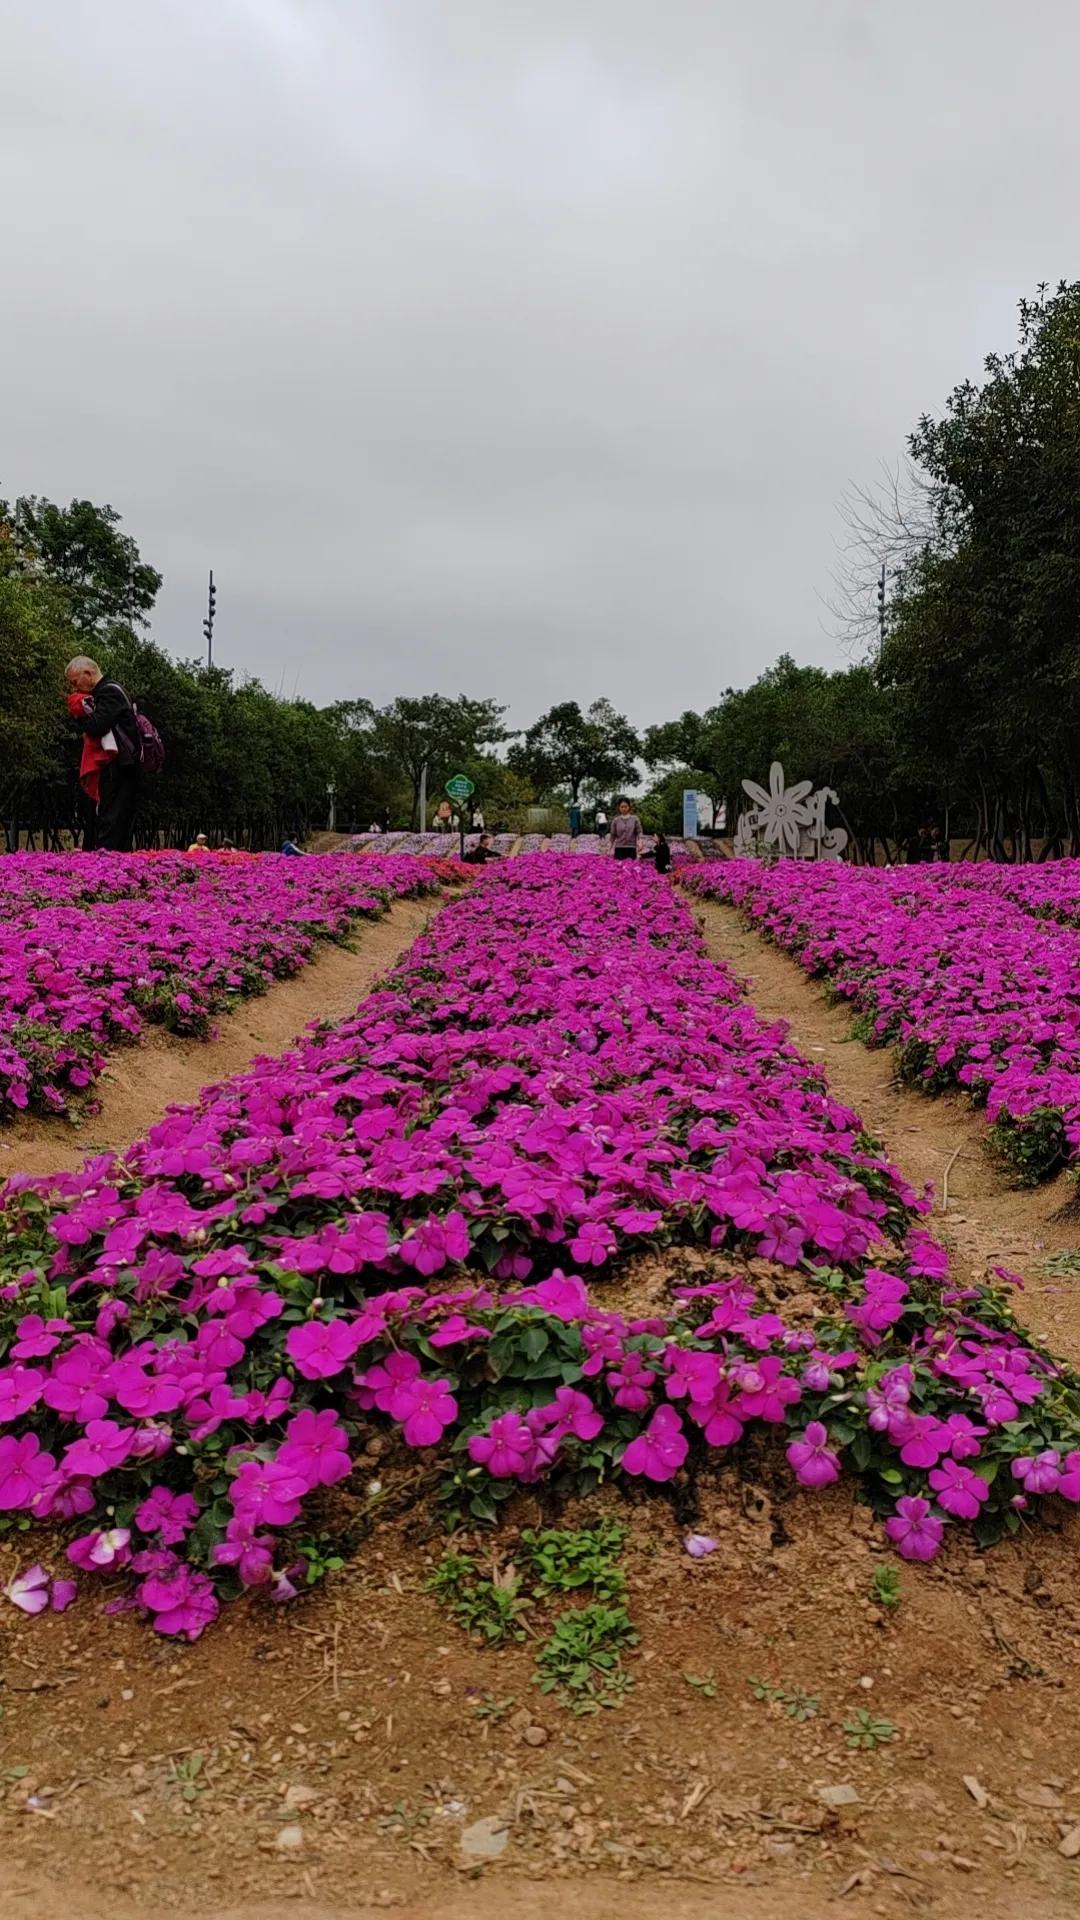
(161,1070)
(346,1743)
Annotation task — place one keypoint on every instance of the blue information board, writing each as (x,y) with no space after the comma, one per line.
(689,813)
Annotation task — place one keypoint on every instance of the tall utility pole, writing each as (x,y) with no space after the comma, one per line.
(208,623)
(881,604)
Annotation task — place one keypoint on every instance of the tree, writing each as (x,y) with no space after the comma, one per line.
(565,748)
(435,732)
(983,648)
(78,548)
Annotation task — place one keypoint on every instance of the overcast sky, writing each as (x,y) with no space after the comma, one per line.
(519,347)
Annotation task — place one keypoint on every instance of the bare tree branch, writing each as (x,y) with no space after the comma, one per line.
(888,524)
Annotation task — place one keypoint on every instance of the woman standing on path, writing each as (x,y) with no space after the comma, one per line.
(625,832)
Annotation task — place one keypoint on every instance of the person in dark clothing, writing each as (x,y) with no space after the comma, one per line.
(662,854)
(112,750)
(482,851)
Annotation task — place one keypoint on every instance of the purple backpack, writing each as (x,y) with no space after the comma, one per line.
(151,744)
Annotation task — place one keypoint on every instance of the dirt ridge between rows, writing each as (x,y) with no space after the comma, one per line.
(981,1217)
(160,1070)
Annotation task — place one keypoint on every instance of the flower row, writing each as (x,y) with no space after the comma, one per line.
(93,946)
(966,970)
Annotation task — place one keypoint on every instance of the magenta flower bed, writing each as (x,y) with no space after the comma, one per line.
(969,971)
(92,947)
(409,1222)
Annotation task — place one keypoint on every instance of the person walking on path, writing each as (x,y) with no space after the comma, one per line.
(662,854)
(625,832)
(112,751)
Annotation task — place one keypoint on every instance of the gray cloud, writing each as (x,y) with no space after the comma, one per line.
(504,346)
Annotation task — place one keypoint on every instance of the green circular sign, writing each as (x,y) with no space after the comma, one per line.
(460,787)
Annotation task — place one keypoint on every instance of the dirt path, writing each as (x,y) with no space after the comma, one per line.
(987,1221)
(494,1900)
(140,1082)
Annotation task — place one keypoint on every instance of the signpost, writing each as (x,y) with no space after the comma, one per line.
(458,789)
(689,813)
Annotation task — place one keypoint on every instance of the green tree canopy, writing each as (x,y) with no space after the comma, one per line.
(80,550)
(566,748)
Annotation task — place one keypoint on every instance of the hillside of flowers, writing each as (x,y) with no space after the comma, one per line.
(419,1221)
(969,972)
(94,946)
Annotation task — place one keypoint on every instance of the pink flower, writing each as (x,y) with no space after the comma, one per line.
(316,1447)
(24,1470)
(321,1348)
(593,1243)
(386,1384)
(1069,1483)
(659,1452)
(28,1591)
(924,1441)
(250,1553)
(575,1413)
(814,1461)
(1041,1473)
(764,1390)
(75,1386)
(63,1593)
(959,1490)
(20,1389)
(914,1530)
(37,1337)
(170,1515)
(961,1435)
(101,1550)
(183,1603)
(631,1383)
(721,1425)
(425,1409)
(505,1449)
(103,1447)
(268,1493)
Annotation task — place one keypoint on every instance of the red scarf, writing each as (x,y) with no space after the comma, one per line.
(94,755)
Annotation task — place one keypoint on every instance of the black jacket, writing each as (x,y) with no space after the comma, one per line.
(113,713)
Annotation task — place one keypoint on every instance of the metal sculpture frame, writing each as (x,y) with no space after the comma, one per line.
(788,821)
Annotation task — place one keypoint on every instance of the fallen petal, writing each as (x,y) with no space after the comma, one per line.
(699,1544)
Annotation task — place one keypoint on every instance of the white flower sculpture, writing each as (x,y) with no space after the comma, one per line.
(781,814)
(790,819)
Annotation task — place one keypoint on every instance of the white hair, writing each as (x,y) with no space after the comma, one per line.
(83,664)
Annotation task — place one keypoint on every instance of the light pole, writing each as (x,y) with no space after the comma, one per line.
(208,623)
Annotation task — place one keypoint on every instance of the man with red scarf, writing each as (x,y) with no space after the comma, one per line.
(109,769)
